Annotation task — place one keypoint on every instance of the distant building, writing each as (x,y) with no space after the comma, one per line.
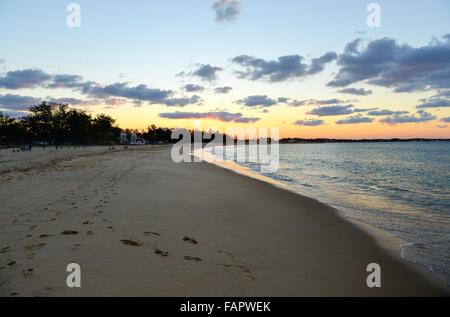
(123,138)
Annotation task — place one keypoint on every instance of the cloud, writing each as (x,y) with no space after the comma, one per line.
(226,11)
(447,119)
(331,111)
(282,69)
(385,112)
(355,91)
(223,90)
(354,120)
(257,101)
(75,101)
(318,64)
(17,103)
(182,102)
(363,110)
(437,103)
(115,102)
(140,92)
(422,117)
(193,88)
(309,122)
(442,126)
(246,120)
(216,115)
(442,94)
(309,102)
(65,81)
(207,72)
(401,67)
(27,78)
(14,114)
(32,78)
(2,61)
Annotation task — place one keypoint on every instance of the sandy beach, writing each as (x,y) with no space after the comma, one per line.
(141,225)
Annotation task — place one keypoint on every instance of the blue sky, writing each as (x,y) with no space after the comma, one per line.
(149,42)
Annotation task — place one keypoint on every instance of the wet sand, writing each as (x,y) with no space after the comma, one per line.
(141,225)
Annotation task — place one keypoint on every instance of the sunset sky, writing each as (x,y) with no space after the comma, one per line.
(311,68)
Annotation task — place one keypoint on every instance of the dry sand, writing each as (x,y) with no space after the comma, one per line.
(225,234)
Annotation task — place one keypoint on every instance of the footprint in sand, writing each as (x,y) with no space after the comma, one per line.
(46,235)
(192,258)
(132,242)
(69,232)
(161,252)
(38,246)
(246,272)
(88,223)
(5,249)
(75,247)
(27,272)
(112,228)
(31,256)
(191,240)
(149,233)
(11,263)
(89,233)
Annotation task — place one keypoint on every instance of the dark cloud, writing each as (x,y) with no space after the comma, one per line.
(363,109)
(207,72)
(309,102)
(442,94)
(447,119)
(65,81)
(193,88)
(318,64)
(31,78)
(436,103)
(226,10)
(27,78)
(223,90)
(422,117)
(331,111)
(247,120)
(352,47)
(257,101)
(140,92)
(309,122)
(285,68)
(402,67)
(355,91)
(17,103)
(385,112)
(182,102)
(355,119)
(216,115)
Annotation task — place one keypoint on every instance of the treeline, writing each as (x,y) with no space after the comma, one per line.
(57,124)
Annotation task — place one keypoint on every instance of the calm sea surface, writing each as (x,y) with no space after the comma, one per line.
(402,188)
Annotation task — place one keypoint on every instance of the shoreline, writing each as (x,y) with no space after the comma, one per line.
(386,240)
(253,239)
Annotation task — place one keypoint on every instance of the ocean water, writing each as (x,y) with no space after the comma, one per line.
(402,188)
